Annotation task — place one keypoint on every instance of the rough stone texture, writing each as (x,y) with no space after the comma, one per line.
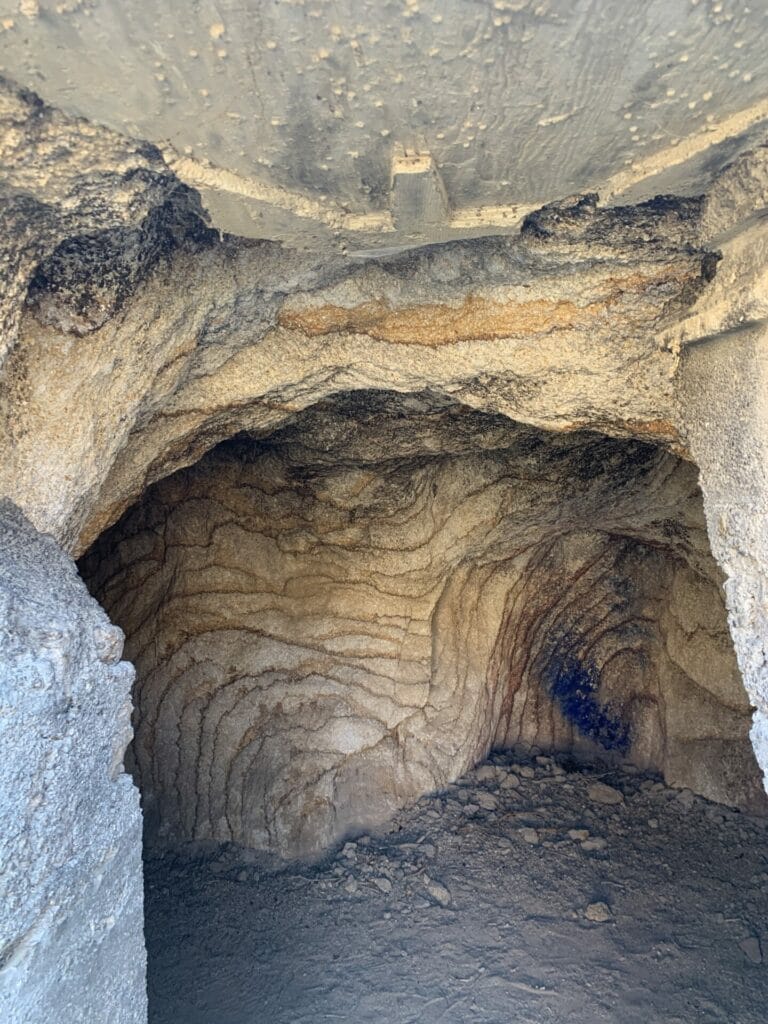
(133,341)
(71,940)
(66,188)
(329,623)
(722,394)
(726,383)
(558,328)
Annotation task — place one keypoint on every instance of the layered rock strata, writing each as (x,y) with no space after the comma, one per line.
(330,622)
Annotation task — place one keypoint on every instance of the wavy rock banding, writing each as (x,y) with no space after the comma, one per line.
(330,622)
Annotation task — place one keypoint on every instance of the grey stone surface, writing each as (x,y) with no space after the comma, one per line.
(287,115)
(71,939)
(725,384)
(722,396)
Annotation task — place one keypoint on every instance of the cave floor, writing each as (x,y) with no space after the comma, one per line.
(477,905)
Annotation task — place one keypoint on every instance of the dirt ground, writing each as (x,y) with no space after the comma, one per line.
(530,891)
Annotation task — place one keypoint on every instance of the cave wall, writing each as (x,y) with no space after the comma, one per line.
(71,891)
(134,338)
(330,623)
(726,393)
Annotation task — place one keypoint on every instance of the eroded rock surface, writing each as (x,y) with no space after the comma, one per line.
(146,340)
(331,622)
(558,332)
(71,927)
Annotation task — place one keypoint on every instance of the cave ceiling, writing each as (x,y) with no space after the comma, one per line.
(376,125)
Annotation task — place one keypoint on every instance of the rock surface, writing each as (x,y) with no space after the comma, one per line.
(331,622)
(342,610)
(71,923)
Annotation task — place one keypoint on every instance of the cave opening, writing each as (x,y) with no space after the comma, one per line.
(334,625)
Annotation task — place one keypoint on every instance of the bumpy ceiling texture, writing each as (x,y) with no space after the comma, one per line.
(373,124)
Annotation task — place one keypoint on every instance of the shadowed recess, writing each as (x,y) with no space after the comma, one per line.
(330,621)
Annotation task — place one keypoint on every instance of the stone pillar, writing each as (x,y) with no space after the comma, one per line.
(71,922)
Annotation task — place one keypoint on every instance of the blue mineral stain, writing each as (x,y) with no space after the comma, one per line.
(574,685)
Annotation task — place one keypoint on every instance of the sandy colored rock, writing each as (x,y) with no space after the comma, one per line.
(530,836)
(598,912)
(601,793)
(334,621)
(438,891)
(578,834)
(593,844)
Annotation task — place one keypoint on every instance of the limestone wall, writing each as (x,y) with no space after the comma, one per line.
(71,929)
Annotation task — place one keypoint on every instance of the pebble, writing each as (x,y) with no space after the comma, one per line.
(470,808)
(578,834)
(752,949)
(598,912)
(529,835)
(594,843)
(600,793)
(350,886)
(382,883)
(486,773)
(686,798)
(487,801)
(526,771)
(510,781)
(437,891)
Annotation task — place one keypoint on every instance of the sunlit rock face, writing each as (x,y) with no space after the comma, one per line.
(332,621)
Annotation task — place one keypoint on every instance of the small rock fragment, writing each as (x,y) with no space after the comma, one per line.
(487,801)
(686,798)
(510,781)
(485,773)
(598,912)
(594,843)
(437,891)
(350,886)
(752,949)
(382,883)
(529,835)
(601,793)
(578,834)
